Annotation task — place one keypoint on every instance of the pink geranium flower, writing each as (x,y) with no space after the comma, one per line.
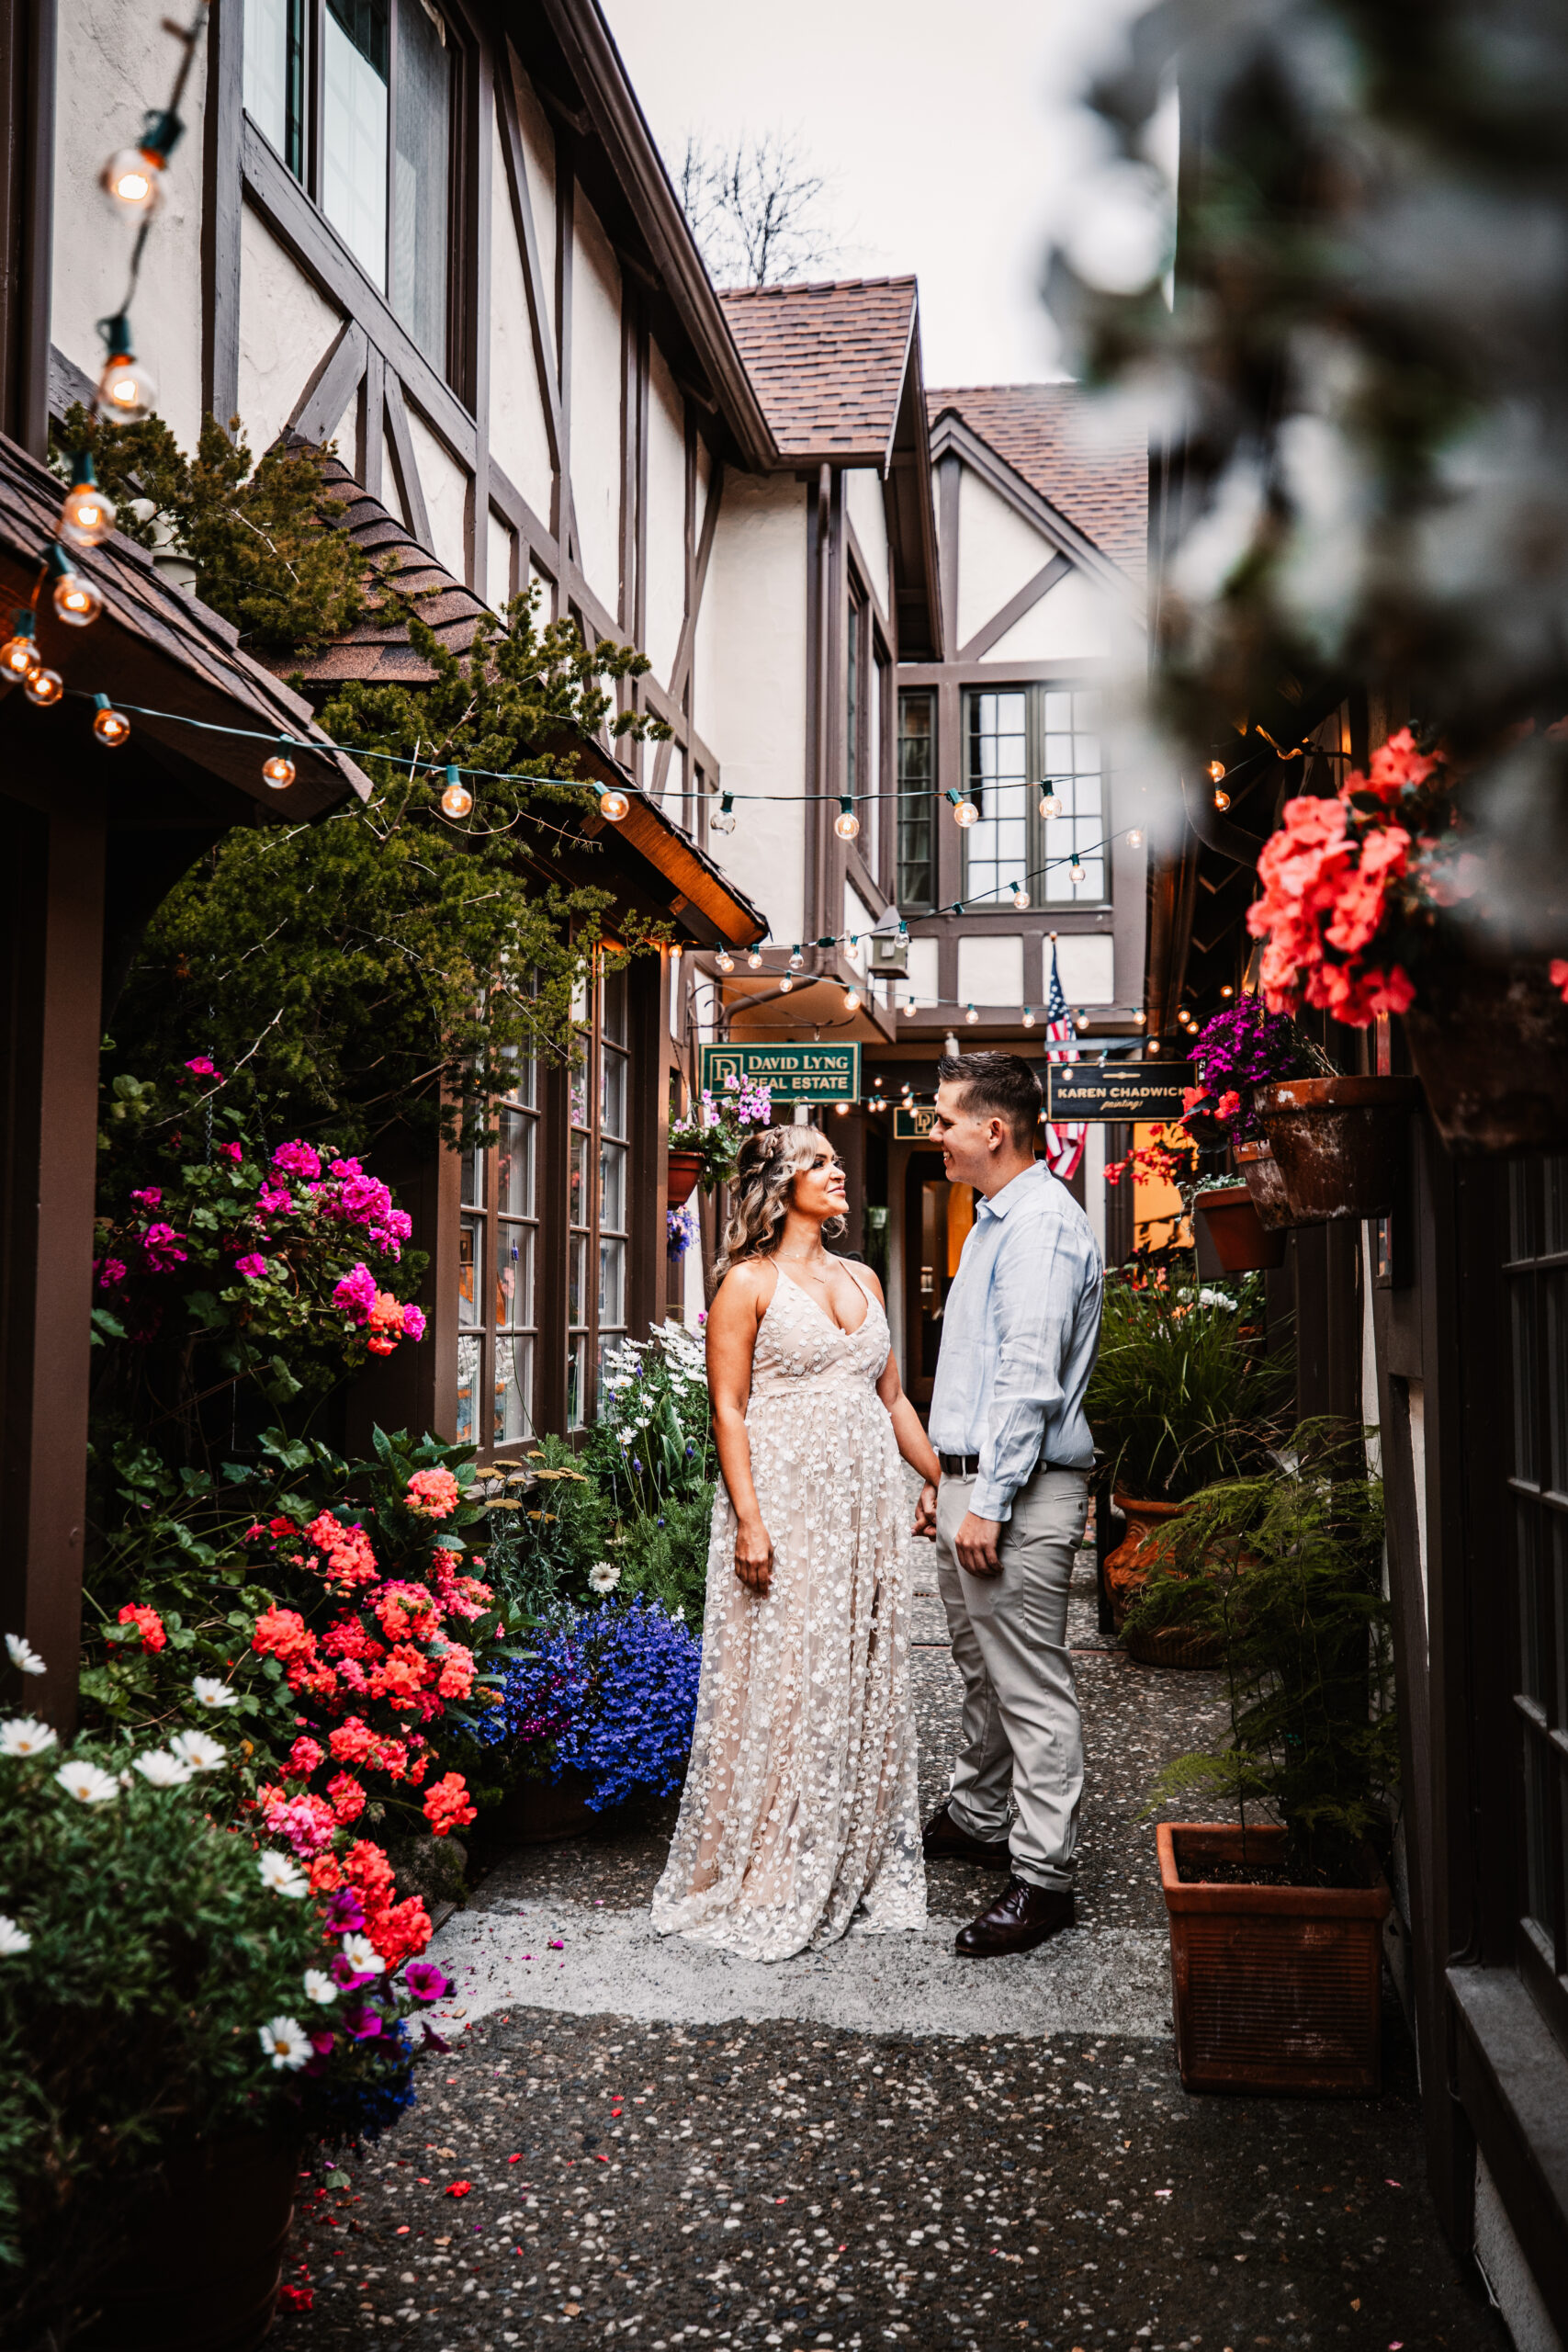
(355,1295)
(252,1267)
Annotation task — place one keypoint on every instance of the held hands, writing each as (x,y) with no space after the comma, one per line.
(754,1556)
(925,1514)
(975,1544)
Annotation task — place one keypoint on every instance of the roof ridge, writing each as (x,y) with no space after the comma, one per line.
(815,286)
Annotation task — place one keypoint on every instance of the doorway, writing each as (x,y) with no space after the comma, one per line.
(937,1216)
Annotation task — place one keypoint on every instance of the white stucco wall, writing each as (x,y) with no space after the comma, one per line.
(754,669)
(539,162)
(517,433)
(285,330)
(498,561)
(990,968)
(998,551)
(665,586)
(114,64)
(919,984)
(1075,621)
(445,487)
(1086,963)
(862,496)
(597,403)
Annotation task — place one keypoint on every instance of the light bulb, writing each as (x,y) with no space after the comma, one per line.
(1028,1016)
(964,813)
(278,772)
(87,516)
(614,803)
(1049,804)
(846,824)
(1221,799)
(1227,990)
(852,1000)
(723,819)
(110,726)
(1135,837)
(786,985)
(126,391)
(1019,897)
(1153,1046)
(132,179)
(842,1109)
(1140,1018)
(77,600)
(725,960)
(1076,871)
(457,800)
(19,652)
(797,960)
(1216,770)
(754,959)
(43,686)
(971,1016)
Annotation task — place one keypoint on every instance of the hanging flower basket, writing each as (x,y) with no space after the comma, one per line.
(685,1168)
(1339,1142)
(1491,1044)
(1241,1241)
(1265,1185)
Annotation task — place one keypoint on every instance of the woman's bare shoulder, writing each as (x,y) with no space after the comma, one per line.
(749,1284)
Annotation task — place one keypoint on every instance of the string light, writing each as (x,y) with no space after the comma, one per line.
(754,958)
(110,726)
(457,800)
(614,803)
(786,985)
(1029,1016)
(842,1110)
(1019,897)
(964,811)
(852,1000)
(77,600)
(797,960)
(19,652)
(278,772)
(725,960)
(722,821)
(1049,804)
(132,179)
(846,824)
(971,1016)
(1076,871)
(87,516)
(1216,770)
(43,686)
(1227,990)
(1140,1018)
(1135,837)
(126,391)
(1221,799)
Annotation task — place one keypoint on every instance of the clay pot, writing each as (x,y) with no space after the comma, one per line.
(1241,1243)
(1339,1142)
(1188,1646)
(220,2212)
(1127,1568)
(1265,1185)
(1275,1988)
(685,1168)
(1491,1044)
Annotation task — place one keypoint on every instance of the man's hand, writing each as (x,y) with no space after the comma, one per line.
(975,1544)
(925,1513)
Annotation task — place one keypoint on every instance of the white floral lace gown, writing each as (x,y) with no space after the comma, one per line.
(800,1805)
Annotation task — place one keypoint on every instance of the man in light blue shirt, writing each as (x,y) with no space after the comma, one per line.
(1019,1332)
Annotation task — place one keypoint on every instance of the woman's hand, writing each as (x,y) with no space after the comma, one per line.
(754,1556)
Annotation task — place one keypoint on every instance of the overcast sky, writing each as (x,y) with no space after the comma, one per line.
(950,137)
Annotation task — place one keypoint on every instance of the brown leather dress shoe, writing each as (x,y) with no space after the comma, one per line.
(942,1840)
(1022,1916)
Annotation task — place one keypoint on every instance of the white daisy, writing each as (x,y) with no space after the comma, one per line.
(286,2043)
(200,1750)
(88,1783)
(281,1876)
(24,1654)
(362,1956)
(13,1939)
(319,1986)
(25,1735)
(604,1576)
(211,1690)
(164,1770)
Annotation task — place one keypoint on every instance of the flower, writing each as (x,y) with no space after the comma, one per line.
(234,1151)
(319,1986)
(274,1200)
(362,1956)
(211,1690)
(297,1159)
(158,1247)
(280,1876)
(350,1560)
(203,1068)
(25,1735)
(150,1196)
(446,1804)
(304,1757)
(347,1798)
(433,1494)
(13,1939)
(355,1295)
(162,1768)
(286,2043)
(200,1750)
(426,1981)
(24,1656)
(344,1910)
(283,1633)
(112,1273)
(362,2023)
(253,1267)
(604,1576)
(1558,973)
(88,1783)
(147,1622)
(385,1324)
(413,1323)
(307,1822)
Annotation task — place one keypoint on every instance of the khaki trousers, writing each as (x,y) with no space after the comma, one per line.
(1021,1732)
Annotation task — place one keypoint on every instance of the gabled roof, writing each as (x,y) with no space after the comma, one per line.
(829,362)
(1046,433)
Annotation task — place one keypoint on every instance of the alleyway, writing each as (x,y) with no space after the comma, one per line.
(880,2145)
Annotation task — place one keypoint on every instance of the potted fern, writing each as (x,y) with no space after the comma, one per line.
(1276,1916)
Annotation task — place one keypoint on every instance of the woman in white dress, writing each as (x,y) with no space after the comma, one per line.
(800,1805)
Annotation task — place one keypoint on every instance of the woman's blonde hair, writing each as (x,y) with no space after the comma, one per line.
(760,1194)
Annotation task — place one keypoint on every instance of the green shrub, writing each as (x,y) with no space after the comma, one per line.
(1179,1398)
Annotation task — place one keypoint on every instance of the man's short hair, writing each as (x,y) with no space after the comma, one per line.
(996,1086)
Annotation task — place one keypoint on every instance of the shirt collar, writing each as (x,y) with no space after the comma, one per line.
(1011,1192)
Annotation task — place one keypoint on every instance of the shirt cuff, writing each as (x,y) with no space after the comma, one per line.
(987,1501)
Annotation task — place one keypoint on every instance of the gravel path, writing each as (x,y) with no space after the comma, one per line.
(874,2145)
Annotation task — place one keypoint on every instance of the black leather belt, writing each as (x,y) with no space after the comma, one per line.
(967,1465)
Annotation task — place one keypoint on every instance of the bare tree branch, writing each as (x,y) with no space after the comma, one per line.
(755,207)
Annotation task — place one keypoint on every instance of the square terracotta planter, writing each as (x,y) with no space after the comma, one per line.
(1275,1988)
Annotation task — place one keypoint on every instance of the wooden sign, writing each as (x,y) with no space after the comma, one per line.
(1084,1091)
(797,1073)
(913,1123)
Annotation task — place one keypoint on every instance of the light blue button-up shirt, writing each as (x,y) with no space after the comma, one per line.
(1019,1336)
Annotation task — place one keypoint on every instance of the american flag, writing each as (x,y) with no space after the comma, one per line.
(1064,1145)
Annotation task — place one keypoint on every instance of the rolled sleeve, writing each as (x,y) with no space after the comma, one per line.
(1032,1298)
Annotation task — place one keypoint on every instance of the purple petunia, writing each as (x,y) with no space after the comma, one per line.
(346,1912)
(363,2024)
(426,1981)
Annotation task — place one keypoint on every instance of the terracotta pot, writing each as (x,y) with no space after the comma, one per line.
(1339,1142)
(540,1813)
(1242,1244)
(219,2212)
(1275,1988)
(1265,1185)
(1187,1646)
(1491,1044)
(685,1168)
(1126,1569)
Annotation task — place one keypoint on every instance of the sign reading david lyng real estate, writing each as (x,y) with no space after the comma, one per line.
(797,1073)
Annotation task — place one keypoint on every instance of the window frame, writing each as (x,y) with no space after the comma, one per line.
(1035,693)
(914,902)
(481,1213)
(590,1329)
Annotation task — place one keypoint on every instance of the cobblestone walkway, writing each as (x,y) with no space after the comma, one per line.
(876,2146)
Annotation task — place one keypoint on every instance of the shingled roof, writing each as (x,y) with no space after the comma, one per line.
(1042,432)
(827,361)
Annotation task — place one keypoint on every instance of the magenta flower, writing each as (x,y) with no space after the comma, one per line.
(346,1912)
(113,1275)
(150,1198)
(426,1981)
(158,1245)
(413,1323)
(202,1067)
(355,1295)
(343,1972)
(363,2023)
(252,1267)
(274,1200)
(235,1151)
(297,1159)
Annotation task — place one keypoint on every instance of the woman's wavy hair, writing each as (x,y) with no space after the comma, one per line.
(761,1193)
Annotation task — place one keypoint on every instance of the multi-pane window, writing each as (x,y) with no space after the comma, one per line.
(854,696)
(596,1189)
(915,879)
(1032,767)
(1074,847)
(376,147)
(497,1264)
(996,847)
(1538,1312)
